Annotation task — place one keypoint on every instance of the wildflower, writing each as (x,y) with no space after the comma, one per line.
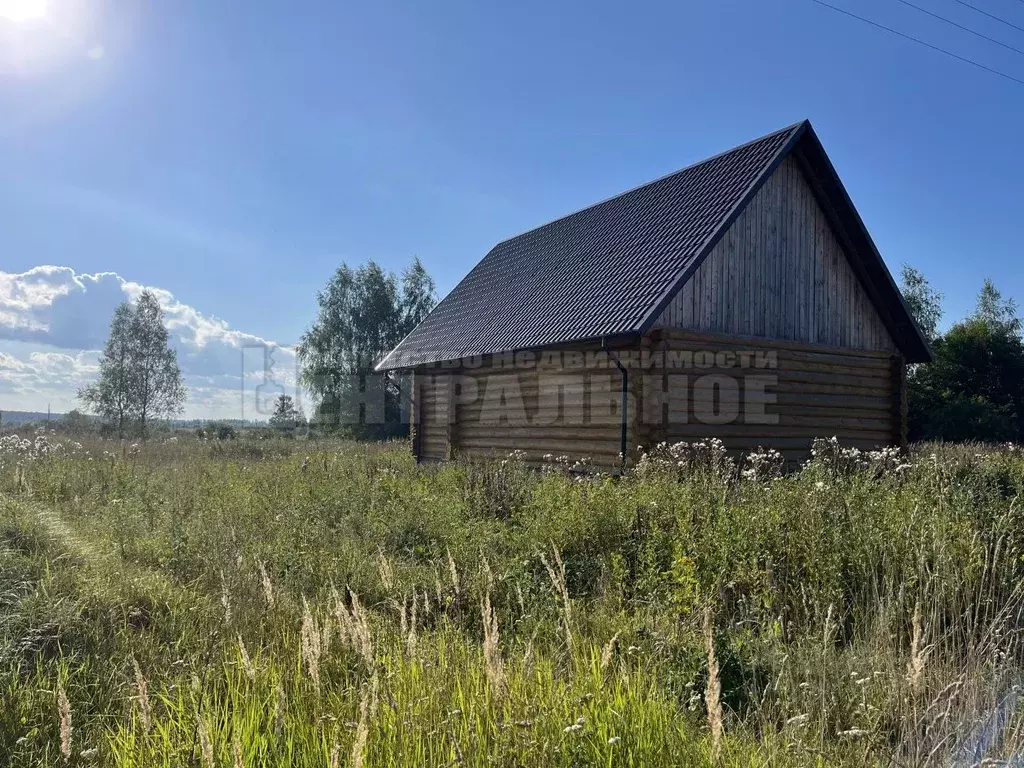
(798,720)
(572,728)
(614,739)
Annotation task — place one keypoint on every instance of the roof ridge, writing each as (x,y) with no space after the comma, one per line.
(669,175)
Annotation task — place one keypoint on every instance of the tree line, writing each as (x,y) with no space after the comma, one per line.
(973,389)
(362,313)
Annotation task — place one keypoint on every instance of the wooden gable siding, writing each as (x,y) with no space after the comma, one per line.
(779,272)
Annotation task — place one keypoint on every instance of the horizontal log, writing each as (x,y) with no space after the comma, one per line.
(779,402)
(677,334)
(525,377)
(822,388)
(536,457)
(574,448)
(563,432)
(673,432)
(789,442)
(527,385)
(698,402)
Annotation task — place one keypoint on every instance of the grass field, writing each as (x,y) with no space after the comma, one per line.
(263,603)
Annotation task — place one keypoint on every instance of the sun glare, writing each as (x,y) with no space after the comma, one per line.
(23,10)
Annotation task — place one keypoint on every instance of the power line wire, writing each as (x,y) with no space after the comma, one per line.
(991,15)
(952,55)
(961,26)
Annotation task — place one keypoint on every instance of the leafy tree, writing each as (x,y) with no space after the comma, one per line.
(363,314)
(112,394)
(974,388)
(139,375)
(924,303)
(286,416)
(159,390)
(75,422)
(995,311)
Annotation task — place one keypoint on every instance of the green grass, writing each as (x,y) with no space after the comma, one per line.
(286,603)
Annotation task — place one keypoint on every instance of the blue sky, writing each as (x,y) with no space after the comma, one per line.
(233,155)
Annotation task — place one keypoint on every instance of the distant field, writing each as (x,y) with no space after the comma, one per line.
(288,603)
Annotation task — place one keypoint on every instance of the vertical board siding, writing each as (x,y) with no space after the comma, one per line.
(779,272)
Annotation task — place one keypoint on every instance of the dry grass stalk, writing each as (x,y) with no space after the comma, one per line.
(556,574)
(279,710)
(311,644)
(360,625)
(206,743)
(236,747)
(225,599)
(64,709)
(528,656)
(342,618)
(142,697)
(386,571)
(326,637)
(713,691)
(607,651)
(453,572)
(438,589)
(268,587)
(247,665)
(367,709)
(354,627)
(335,758)
(493,664)
(410,638)
(488,576)
(918,651)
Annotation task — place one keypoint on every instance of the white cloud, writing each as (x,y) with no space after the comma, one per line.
(50,307)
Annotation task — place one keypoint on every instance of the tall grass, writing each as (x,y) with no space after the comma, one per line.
(289,603)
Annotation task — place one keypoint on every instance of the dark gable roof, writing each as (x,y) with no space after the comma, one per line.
(608,271)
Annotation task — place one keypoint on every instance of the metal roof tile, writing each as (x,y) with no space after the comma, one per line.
(593,273)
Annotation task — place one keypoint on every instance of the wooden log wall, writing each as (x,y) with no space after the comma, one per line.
(430,414)
(559,402)
(811,391)
(548,409)
(780,272)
